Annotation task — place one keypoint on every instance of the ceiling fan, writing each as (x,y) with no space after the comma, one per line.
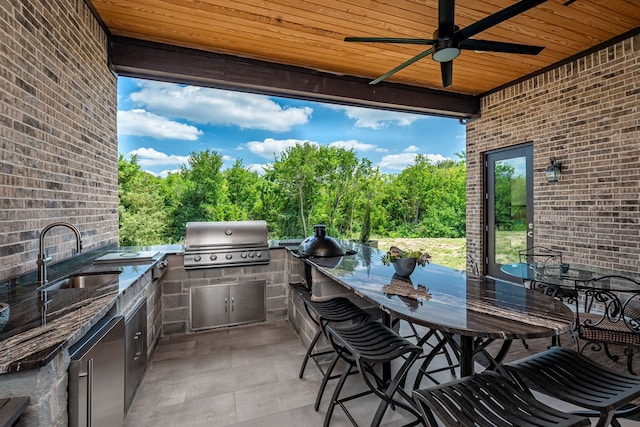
(448,40)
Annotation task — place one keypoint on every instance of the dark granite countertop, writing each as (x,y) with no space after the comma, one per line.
(450,300)
(34,335)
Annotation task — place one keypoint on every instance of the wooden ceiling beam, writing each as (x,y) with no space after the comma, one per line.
(156,61)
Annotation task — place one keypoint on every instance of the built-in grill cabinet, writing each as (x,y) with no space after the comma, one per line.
(227,304)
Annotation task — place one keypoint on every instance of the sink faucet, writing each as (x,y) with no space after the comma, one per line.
(43,259)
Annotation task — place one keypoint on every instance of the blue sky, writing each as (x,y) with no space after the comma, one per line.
(163,123)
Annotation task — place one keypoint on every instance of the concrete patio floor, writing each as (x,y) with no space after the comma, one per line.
(246,376)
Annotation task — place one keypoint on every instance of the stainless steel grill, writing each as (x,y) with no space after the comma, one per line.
(226,243)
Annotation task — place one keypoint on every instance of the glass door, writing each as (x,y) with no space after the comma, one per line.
(509,198)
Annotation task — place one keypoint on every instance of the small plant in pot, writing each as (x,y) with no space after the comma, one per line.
(404,262)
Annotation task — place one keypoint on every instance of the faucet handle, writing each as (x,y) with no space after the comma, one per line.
(76,251)
(43,258)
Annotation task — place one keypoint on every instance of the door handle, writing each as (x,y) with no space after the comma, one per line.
(138,342)
(89,392)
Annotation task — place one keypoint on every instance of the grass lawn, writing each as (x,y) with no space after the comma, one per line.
(448,252)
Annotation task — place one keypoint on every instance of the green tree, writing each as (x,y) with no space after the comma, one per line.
(318,184)
(242,185)
(295,173)
(141,213)
(196,193)
(426,200)
(305,185)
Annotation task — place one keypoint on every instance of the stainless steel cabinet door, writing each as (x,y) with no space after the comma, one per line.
(136,351)
(209,306)
(96,380)
(247,302)
(227,304)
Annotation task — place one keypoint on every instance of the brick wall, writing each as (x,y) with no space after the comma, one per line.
(58,143)
(587,115)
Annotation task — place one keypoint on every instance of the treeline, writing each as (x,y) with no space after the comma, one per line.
(306,185)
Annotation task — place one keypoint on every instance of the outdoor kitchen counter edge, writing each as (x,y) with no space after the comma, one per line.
(28,342)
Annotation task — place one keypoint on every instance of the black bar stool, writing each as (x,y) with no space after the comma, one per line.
(363,347)
(489,400)
(571,377)
(337,310)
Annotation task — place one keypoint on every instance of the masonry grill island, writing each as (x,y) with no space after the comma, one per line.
(226,244)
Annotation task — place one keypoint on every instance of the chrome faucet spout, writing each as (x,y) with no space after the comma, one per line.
(43,259)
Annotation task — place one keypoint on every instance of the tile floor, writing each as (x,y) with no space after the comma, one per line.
(243,377)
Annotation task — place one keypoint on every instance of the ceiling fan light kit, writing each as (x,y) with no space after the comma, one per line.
(445,50)
(449,40)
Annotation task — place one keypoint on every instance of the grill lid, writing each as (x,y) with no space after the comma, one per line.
(215,235)
(224,244)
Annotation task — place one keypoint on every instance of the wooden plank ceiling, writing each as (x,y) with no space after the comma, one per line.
(310,34)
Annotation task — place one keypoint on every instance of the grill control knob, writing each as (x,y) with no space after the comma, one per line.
(197,258)
(229,256)
(244,255)
(213,257)
(251,254)
(258,254)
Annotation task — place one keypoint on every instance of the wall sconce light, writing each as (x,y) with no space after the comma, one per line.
(553,171)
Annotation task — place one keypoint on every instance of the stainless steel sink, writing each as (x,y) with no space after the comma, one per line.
(82,281)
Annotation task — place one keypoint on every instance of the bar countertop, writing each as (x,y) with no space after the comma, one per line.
(450,300)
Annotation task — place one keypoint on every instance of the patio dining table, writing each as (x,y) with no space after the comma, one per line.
(455,302)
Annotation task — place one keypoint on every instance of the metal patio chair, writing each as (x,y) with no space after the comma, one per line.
(608,313)
(534,261)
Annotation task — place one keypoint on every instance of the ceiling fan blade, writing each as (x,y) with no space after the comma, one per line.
(401,66)
(491,46)
(446,69)
(389,40)
(496,18)
(446,17)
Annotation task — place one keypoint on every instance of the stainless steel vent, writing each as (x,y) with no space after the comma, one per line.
(226,243)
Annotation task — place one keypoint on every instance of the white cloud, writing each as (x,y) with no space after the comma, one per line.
(403,160)
(259,168)
(270,147)
(150,157)
(437,158)
(412,149)
(164,173)
(355,145)
(397,161)
(377,119)
(139,122)
(218,107)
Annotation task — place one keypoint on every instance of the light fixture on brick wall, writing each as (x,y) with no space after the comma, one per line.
(553,171)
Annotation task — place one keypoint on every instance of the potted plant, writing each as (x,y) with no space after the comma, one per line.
(404,262)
